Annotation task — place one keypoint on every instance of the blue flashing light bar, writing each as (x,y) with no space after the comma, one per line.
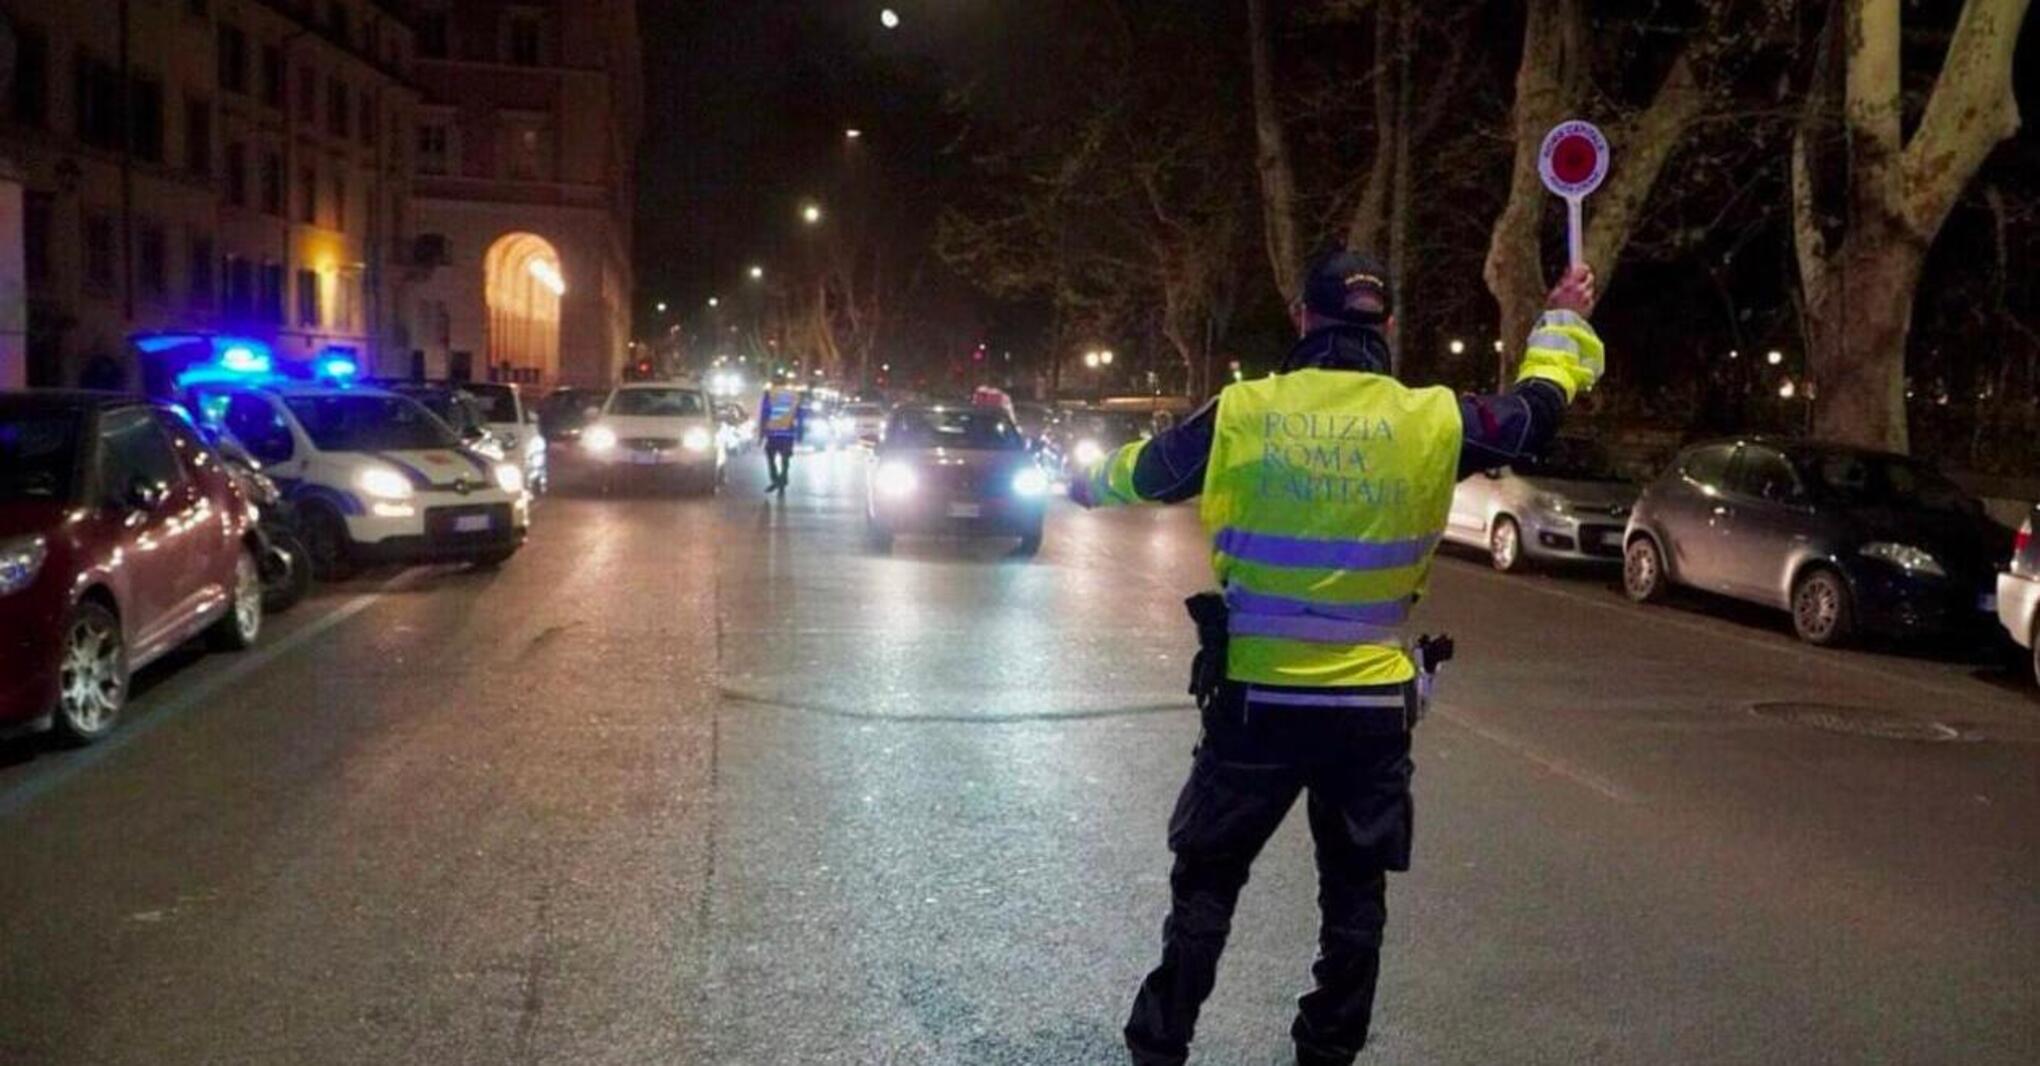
(338,365)
(242,357)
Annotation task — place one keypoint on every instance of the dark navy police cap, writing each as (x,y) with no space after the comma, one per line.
(1348,286)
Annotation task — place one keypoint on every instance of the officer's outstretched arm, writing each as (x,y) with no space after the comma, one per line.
(1166,468)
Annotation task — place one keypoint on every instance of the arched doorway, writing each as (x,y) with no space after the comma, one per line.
(523,283)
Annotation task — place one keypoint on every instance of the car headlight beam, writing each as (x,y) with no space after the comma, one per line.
(1030,483)
(697,440)
(598,439)
(1904,556)
(895,479)
(382,483)
(1087,452)
(509,478)
(21,560)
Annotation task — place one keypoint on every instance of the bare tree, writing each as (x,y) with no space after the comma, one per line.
(1860,261)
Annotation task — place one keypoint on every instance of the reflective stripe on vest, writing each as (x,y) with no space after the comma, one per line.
(1326,495)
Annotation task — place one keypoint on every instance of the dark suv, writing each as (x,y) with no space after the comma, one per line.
(1847,540)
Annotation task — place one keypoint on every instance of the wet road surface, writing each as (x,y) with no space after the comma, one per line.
(704,781)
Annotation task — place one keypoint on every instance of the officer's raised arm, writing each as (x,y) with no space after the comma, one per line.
(1165,468)
(1562,361)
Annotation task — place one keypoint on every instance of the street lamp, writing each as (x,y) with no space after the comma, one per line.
(662,307)
(811,214)
(852,134)
(757,273)
(1091,360)
(889,18)
(715,301)
(1105,357)
(1457,347)
(1774,357)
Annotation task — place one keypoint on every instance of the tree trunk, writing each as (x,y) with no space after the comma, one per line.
(1514,269)
(1856,341)
(1399,195)
(1271,160)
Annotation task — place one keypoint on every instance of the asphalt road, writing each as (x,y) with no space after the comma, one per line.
(705,782)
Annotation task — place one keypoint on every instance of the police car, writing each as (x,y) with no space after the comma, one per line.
(374,476)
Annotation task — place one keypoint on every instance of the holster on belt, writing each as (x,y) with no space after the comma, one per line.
(1431,653)
(1207,671)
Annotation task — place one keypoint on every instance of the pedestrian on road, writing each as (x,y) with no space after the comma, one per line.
(782,418)
(1325,489)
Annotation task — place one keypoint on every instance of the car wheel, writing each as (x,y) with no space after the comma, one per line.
(1643,571)
(1823,610)
(292,563)
(242,625)
(93,676)
(1505,545)
(1030,545)
(326,543)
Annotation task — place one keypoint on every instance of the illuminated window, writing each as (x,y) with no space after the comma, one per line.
(308,299)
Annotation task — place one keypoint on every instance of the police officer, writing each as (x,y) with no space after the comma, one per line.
(1325,490)
(781,415)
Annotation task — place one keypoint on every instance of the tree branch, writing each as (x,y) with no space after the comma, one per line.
(1972,108)
(1278,179)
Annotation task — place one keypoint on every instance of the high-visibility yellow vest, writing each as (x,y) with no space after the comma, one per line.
(1325,497)
(782,411)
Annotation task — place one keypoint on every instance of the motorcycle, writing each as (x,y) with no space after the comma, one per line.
(285,563)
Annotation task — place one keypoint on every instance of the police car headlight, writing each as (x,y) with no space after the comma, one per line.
(509,478)
(20,560)
(384,484)
(697,439)
(1087,452)
(1030,482)
(598,439)
(895,479)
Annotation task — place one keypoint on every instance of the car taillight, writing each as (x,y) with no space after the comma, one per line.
(2023,541)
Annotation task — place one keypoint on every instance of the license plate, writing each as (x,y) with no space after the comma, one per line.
(645,458)
(1987,603)
(966,510)
(471,523)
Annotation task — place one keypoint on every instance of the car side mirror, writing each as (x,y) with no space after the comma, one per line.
(145,495)
(531,418)
(591,412)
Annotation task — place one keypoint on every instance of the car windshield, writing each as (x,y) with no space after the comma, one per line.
(498,403)
(461,417)
(363,423)
(971,430)
(37,455)
(1865,479)
(1572,459)
(658,403)
(864,410)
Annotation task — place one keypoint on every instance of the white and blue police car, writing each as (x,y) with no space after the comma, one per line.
(373,475)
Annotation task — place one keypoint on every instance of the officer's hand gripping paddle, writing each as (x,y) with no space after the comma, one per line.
(1573,160)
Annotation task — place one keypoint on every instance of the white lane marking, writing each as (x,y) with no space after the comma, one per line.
(1718,629)
(21,796)
(1547,761)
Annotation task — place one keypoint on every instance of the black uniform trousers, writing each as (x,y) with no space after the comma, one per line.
(778,459)
(1247,772)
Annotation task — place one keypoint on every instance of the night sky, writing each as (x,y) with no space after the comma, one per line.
(746,104)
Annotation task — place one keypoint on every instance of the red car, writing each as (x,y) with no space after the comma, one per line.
(121,537)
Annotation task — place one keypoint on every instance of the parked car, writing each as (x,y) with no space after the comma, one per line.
(1845,539)
(866,420)
(459,409)
(515,426)
(955,470)
(564,413)
(1570,505)
(122,536)
(656,429)
(2018,591)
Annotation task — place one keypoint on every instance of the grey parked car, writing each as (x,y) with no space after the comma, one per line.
(1845,539)
(1569,505)
(2019,591)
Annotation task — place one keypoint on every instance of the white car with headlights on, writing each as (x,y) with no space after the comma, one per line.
(656,430)
(373,475)
(955,470)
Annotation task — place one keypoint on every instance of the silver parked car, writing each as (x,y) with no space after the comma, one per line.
(1570,505)
(2018,590)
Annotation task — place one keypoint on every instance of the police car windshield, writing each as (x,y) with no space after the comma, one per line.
(37,455)
(498,402)
(360,423)
(657,403)
(971,430)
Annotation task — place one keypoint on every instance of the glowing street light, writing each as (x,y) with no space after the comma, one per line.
(662,307)
(1457,347)
(1788,390)
(853,134)
(548,275)
(1091,360)
(1774,357)
(811,214)
(1105,357)
(715,301)
(889,18)
(757,273)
